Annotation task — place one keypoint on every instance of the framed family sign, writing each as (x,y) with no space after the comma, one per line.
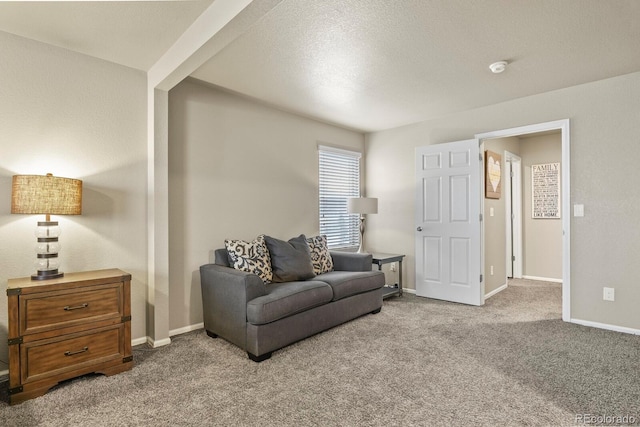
(493,175)
(545,191)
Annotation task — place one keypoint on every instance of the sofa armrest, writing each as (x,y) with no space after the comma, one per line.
(351,261)
(225,293)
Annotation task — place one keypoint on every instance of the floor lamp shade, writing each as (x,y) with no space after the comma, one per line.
(362,206)
(46,195)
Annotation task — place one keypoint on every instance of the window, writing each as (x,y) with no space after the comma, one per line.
(339,180)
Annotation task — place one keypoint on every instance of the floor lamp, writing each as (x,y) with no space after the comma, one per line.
(362,206)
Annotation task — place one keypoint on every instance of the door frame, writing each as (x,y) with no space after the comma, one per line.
(513,203)
(564,126)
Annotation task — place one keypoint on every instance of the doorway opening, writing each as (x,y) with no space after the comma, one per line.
(514,237)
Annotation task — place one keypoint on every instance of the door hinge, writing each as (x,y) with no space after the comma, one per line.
(480,155)
(480,217)
(481,278)
(14,291)
(125,318)
(127,359)
(513,257)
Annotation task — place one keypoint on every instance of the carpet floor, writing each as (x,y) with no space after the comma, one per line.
(419,362)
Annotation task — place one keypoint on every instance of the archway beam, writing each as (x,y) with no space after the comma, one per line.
(218,26)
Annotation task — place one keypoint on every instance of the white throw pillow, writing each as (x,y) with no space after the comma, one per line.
(252,257)
(320,256)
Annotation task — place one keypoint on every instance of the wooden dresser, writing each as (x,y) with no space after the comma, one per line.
(66,327)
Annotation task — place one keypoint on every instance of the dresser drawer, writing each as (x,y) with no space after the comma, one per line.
(52,357)
(59,309)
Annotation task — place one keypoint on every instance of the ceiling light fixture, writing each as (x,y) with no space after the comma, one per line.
(498,67)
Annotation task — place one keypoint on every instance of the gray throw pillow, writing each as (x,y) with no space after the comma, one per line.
(290,260)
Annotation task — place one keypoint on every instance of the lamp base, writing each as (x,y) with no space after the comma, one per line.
(361,248)
(46,275)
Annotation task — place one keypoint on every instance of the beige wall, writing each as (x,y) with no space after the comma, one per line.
(80,117)
(605,132)
(542,238)
(495,239)
(236,169)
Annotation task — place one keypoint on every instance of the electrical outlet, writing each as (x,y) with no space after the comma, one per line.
(608,294)
(393,267)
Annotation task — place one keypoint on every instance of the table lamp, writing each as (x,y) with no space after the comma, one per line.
(48,195)
(362,206)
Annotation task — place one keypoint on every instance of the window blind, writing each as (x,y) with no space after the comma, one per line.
(339,180)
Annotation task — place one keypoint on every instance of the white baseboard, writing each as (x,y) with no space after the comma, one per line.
(495,291)
(158,343)
(138,341)
(186,329)
(409,291)
(543,279)
(608,327)
(166,341)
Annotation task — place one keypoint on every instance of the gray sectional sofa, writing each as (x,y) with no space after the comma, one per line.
(260,318)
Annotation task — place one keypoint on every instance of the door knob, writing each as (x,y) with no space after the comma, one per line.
(419,228)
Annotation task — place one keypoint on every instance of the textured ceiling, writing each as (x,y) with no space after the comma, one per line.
(364,64)
(377,64)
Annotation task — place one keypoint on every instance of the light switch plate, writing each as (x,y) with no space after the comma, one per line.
(578,210)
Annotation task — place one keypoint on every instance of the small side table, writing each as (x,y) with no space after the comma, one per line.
(390,290)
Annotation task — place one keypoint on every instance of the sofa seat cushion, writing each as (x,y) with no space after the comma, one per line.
(285,299)
(348,283)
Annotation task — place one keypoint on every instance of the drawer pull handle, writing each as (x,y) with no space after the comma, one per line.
(77,307)
(71,353)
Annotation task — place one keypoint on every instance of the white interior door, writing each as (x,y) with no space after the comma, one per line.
(448,232)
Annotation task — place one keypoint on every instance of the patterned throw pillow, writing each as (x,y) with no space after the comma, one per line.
(252,257)
(320,256)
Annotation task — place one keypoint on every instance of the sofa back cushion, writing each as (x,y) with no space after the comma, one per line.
(222,257)
(290,260)
(252,257)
